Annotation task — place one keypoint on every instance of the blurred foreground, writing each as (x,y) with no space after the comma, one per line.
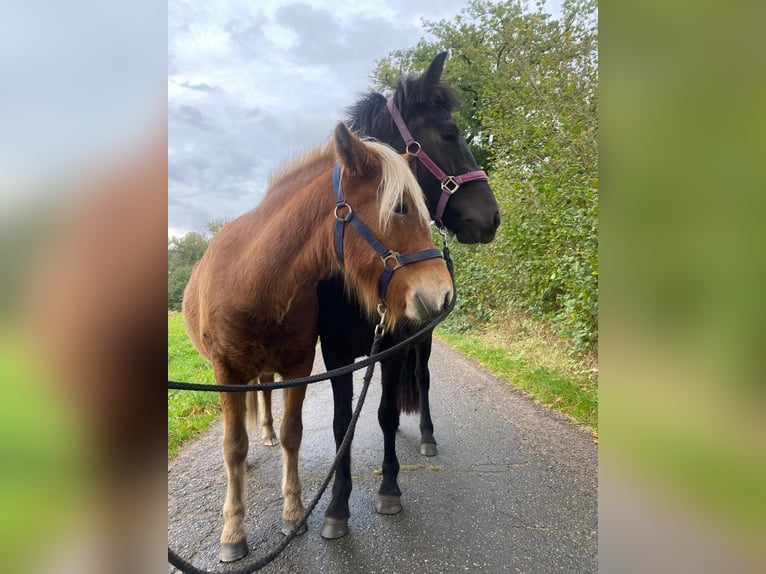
(83,205)
(682,312)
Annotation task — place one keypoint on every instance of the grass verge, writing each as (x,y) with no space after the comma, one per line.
(189,412)
(567,386)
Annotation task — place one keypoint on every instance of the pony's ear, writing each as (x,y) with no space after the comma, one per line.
(425,86)
(354,156)
(433,75)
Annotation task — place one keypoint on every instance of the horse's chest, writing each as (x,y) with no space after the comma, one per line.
(280,347)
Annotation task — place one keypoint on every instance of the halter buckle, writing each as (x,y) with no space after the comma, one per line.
(391,256)
(450,184)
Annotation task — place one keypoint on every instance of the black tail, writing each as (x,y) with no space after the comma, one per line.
(408,390)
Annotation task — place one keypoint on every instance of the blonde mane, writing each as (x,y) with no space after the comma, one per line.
(396,178)
(293,170)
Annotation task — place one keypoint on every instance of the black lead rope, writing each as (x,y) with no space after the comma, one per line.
(189,568)
(375,356)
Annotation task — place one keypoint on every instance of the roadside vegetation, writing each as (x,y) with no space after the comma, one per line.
(534,360)
(188,412)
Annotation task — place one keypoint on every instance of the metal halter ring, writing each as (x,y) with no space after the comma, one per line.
(348,215)
(393,255)
(417,149)
(450,185)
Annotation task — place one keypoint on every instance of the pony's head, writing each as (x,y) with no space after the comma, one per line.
(426,105)
(380,190)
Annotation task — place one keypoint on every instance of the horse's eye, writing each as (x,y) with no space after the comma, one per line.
(448,137)
(401,208)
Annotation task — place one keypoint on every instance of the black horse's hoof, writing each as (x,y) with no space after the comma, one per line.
(334,528)
(428,449)
(388,504)
(289,525)
(232,552)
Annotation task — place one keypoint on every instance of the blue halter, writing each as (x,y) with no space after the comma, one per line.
(392,260)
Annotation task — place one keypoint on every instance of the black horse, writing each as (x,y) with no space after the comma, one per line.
(417,119)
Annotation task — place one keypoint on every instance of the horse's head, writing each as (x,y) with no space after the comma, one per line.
(425,107)
(381,195)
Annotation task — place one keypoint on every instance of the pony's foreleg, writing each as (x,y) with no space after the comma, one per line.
(336,516)
(235,444)
(422,353)
(268,436)
(389,495)
(290,435)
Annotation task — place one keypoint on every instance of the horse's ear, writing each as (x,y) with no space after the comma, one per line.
(354,156)
(422,90)
(433,75)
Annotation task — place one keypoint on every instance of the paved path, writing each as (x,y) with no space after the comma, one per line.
(513,488)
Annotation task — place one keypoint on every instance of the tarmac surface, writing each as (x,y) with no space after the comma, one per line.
(513,487)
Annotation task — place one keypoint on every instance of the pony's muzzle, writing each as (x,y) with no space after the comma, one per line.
(426,304)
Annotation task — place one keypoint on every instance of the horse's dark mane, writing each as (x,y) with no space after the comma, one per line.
(369,117)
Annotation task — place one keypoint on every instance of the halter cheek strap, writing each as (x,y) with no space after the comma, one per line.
(449,183)
(392,260)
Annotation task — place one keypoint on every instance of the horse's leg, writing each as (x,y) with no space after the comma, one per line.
(290,435)
(422,354)
(336,516)
(268,436)
(235,444)
(389,495)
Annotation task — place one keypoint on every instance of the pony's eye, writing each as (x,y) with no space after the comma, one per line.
(448,137)
(401,208)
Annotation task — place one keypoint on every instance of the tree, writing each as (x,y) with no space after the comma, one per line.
(183,254)
(529,88)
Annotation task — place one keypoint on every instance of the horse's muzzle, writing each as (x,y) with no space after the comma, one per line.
(426,306)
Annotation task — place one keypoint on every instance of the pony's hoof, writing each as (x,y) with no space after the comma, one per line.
(428,449)
(289,525)
(270,441)
(232,552)
(334,528)
(388,504)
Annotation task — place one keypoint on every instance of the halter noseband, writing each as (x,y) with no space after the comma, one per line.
(392,260)
(449,183)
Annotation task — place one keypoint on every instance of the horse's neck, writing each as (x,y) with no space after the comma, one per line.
(293,248)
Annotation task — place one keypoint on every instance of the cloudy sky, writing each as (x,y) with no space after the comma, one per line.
(250,84)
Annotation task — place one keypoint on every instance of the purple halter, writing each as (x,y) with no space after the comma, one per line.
(449,183)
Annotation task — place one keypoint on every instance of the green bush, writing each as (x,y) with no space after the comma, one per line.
(530,115)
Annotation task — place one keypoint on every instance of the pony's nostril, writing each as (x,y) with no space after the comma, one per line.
(427,307)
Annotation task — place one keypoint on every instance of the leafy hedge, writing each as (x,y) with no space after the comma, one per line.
(529,87)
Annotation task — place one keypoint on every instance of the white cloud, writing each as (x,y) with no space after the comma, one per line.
(251,84)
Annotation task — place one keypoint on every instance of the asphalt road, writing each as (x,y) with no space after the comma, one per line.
(513,488)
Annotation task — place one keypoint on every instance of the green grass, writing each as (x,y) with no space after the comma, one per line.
(575,396)
(45,453)
(189,412)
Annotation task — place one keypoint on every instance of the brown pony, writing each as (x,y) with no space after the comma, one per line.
(251,302)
